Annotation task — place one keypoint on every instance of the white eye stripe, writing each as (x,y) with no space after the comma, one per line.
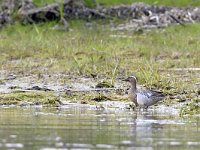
(133,77)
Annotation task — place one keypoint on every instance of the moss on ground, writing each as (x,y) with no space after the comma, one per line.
(55,99)
(190,109)
(29,98)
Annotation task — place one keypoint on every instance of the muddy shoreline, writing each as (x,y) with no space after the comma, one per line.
(172,110)
(63,91)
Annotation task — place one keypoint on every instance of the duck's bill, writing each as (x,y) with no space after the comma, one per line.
(125,79)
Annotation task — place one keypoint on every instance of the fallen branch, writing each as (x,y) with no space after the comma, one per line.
(175,19)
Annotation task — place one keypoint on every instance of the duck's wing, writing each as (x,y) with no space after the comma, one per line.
(157,93)
(145,93)
(152,94)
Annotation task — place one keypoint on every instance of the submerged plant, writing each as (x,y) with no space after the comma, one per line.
(190,109)
(104,84)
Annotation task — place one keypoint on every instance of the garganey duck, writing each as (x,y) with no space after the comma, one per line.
(141,97)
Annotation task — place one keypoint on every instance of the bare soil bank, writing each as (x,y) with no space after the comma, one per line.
(136,16)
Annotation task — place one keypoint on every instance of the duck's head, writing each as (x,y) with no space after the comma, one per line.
(131,79)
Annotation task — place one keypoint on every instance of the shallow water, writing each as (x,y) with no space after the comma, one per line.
(89,128)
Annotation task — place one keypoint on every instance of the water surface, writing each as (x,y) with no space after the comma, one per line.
(90,128)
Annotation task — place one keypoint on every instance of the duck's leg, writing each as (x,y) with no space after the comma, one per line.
(143,108)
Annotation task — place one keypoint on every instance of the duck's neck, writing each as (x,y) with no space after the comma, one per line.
(133,87)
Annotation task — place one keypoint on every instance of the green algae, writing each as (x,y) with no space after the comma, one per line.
(2,82)
(104,84)
(190,108)
(49,98)
(93,97)
(31,98)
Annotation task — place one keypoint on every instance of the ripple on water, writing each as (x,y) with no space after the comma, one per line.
(107,146)
(13,136)
(50,148)
(14,145)
(78,145)
(71,146)
(59,144)
(193,143)
(82,128)
(174,143)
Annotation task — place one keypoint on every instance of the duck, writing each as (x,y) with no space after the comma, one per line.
(143,97)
